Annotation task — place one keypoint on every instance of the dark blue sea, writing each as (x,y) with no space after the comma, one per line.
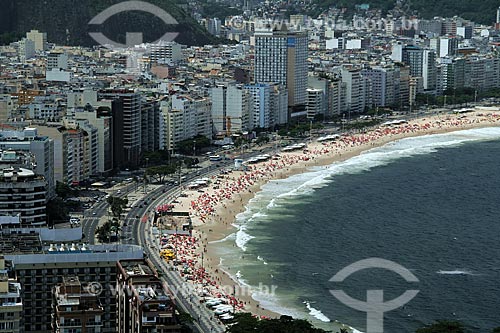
(430,204)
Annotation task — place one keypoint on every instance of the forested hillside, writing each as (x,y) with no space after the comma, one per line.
(66,21)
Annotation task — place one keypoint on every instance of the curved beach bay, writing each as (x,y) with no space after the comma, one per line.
(429,203)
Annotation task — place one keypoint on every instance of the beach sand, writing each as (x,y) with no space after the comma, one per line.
(218,223)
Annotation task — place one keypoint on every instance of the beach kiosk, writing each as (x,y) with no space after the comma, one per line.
(238,164)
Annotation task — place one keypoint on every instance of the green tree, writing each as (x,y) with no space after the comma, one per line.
(115,227)
(64,191)
(186,147)
(159,173)
(103,233)
(443,326)
(263,139)
(246,322)
(57,211)
(117,205)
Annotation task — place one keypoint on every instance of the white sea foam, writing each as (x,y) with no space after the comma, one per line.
(225,239)
(261,259)
(272,204)
(316,313)
(455,272)
(258,215)
(355,330)
(238,277)
(272,302)
(242,238)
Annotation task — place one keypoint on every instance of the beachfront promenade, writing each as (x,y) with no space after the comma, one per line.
(183,293)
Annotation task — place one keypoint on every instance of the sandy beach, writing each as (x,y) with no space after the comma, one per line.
(213,208)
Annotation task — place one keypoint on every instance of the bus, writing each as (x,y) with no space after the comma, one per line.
(215,158)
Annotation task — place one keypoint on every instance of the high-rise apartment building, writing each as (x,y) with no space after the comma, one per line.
(21,190)
(102,121)
(143,303)
(185,118)
(41,268)
(11,304)
(126,111)
(57,60)
(260,113)
(40,146)
(39,38)
(230,108)
(422,63)
(75,308)
(26,49)
(281,57)
(165,52)
(357,90)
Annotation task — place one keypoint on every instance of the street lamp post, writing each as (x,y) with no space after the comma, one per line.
(147,162)
(194,147)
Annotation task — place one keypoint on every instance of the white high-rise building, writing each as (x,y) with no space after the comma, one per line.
(186,118)
(40,146)
(230,108)
(57,60)
(444,46)
(397,52)
(281,57)
(357,88)
(165,52)
(429,70)
(26,49)
(260,114)
(315,102)
(385,84)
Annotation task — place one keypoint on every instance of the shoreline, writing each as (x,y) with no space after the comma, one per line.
(218,223)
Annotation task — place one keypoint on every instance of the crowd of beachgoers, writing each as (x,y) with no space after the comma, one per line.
(207,204)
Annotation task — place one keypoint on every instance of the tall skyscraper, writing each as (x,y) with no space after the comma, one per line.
(422,63)
(126,111)
(281,57)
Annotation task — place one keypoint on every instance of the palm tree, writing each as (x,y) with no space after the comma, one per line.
(114,226)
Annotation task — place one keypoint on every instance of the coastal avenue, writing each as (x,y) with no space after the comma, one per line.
(135,232)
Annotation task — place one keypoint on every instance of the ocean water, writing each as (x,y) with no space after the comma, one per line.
(431,204)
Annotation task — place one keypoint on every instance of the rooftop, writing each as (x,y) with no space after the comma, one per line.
(20,243)
(136,268)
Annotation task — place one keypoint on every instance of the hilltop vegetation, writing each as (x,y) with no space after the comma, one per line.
(66,22)
(478,11)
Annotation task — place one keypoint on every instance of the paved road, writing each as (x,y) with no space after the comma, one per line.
(136,232)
